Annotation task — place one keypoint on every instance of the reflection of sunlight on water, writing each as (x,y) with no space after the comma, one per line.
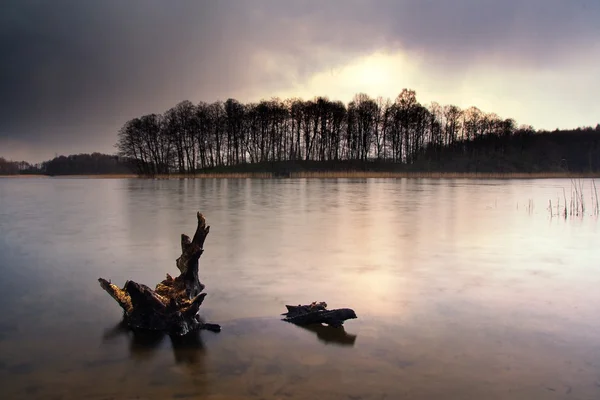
(459,294)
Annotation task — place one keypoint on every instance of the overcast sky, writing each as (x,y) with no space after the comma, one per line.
(73,72)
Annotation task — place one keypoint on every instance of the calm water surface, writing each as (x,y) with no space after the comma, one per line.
(462,289)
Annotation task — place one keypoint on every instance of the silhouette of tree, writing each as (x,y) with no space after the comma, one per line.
(402,133)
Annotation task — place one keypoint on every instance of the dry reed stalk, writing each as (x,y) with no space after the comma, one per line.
(581,197)
(597,208)
(565,197)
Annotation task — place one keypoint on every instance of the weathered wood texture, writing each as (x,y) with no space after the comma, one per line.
(317,313)
(174,304)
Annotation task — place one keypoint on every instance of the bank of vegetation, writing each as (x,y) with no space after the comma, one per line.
(293,136)
(321,137)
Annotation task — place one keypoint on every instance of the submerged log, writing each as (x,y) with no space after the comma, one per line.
(174,304)
(317,313)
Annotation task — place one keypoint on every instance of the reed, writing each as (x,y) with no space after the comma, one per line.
(595,195)
(581,202)
(530,206)
(94,176)
(565,197)
(575,205)
(431,175)
(16,176)
(564,210)
(332,174)
(216,175)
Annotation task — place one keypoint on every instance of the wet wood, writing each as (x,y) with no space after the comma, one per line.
(173,305)
(317,313)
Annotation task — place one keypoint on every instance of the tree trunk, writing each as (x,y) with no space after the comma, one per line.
(173,305)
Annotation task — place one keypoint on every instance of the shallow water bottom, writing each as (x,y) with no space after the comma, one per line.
(271,359)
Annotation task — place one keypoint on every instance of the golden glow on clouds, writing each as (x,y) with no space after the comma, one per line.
(373,72)
(378,74)
(542,98)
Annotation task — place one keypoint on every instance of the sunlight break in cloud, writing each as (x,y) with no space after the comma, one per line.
(539,97)
(379,74)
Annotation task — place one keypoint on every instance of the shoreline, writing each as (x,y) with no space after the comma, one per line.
(330,175)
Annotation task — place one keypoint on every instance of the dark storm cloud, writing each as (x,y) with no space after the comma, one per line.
(78,63)
(73,71)
(530,31)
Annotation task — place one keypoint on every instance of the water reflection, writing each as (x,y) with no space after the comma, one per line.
(331,335)
(487,300)
(143,344)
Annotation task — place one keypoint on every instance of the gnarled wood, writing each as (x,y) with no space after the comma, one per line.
(317,313)
(174,304)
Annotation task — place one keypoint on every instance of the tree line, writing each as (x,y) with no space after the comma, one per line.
(320,134)
(563,151)
(190,137)
(8,167)
(75,164)
(86,164)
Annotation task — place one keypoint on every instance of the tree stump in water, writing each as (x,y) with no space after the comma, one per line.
(317,313)
(174,304)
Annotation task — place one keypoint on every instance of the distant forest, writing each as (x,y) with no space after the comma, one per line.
(283,136)
(77,164)
(367,134)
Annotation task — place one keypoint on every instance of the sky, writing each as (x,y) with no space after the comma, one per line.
(73,72)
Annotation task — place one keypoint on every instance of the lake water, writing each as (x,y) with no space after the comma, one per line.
(464,289)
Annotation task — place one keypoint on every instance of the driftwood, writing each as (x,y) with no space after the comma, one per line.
(174,304)
(317,313)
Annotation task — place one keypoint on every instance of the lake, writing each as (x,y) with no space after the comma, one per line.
(464,289)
